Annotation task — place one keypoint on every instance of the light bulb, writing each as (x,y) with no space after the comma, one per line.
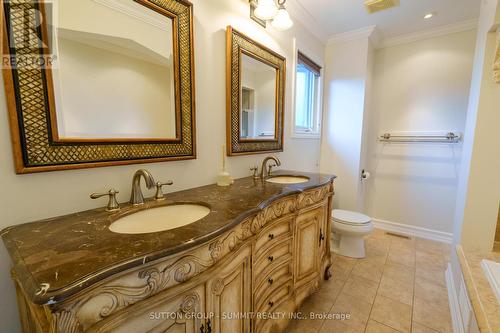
(266,9)
(282,20)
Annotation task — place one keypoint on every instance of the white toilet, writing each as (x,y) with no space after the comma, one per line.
(349,229)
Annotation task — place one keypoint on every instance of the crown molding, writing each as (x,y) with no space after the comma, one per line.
(429,33)
(301,14)
(132,11)
(366,32)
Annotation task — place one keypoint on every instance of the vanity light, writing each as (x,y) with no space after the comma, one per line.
(282,20)
(266,9)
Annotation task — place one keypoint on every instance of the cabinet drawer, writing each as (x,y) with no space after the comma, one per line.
(274,300)
(269,287)
(275,255)
(273,234)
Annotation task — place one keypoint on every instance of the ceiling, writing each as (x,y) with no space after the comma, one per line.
(337,16)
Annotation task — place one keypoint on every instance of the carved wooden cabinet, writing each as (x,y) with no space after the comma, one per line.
(269,263)
(229,292)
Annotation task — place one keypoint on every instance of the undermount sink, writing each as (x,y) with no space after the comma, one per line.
(287,179)
(160,219)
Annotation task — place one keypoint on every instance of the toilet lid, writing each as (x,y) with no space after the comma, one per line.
(348,217)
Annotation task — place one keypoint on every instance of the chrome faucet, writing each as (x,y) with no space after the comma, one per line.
(266,170)
(136,198)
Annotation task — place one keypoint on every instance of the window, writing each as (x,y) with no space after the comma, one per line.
(307,98)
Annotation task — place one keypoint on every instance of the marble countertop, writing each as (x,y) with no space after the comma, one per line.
(483,300)
(55,258)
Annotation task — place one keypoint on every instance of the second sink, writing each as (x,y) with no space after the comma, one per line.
(159,219)
(287,179)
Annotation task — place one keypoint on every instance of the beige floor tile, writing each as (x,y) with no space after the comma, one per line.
(361,288)
(432,315)
(377,247)
(341,267)
(419,328)
(427,260)
(434,275)
(379,234)
(402,243)
(398,290)
(446,248)
(430,292)
(343,261)
(339,327)
(392,313)
(399,272)
(301,326)
(370,270)
(430,246)
(374,259)
(318,302)
(358,310)
(376,327)
(332,288)
(401,257)
(398,282)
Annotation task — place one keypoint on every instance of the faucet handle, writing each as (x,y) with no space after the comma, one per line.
(159,193)
(113,205)
(255,171)
(270,169)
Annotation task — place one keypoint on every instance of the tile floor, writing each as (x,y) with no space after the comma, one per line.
(399,287)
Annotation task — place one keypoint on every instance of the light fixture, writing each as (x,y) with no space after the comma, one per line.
(266,9)
(428,16)
(282,20)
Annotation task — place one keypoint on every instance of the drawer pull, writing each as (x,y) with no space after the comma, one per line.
(271,236)
(270,258)
(270,281)
(271,303)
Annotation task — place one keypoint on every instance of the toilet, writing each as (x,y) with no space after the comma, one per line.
(349,229)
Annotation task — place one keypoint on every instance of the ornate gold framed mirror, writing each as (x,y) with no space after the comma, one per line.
(255,96)
(99,82)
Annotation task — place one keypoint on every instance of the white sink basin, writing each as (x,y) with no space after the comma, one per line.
(287,179)
(159,219)
(492,271)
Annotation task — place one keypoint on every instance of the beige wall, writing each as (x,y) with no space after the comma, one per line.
(347,75)
(421,86)
(31,197)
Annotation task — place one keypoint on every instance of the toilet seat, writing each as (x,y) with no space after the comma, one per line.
(350,218)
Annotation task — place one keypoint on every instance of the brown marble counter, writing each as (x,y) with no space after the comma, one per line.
(484,303)
(55,258)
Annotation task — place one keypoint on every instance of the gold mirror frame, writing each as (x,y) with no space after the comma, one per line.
(29,94)
(238,44)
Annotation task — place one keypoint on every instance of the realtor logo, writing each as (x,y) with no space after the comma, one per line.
(30,31)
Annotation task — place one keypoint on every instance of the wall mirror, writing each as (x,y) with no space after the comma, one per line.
(116,84)
(255,96)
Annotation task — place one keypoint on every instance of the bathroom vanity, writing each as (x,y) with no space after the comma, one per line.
(244,267)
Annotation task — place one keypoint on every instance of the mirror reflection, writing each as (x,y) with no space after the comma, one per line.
(115,70)
(258,99)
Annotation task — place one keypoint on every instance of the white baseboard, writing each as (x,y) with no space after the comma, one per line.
(411,230)
(456,317)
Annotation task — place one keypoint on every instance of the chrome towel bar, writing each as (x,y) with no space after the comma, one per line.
(450,137)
